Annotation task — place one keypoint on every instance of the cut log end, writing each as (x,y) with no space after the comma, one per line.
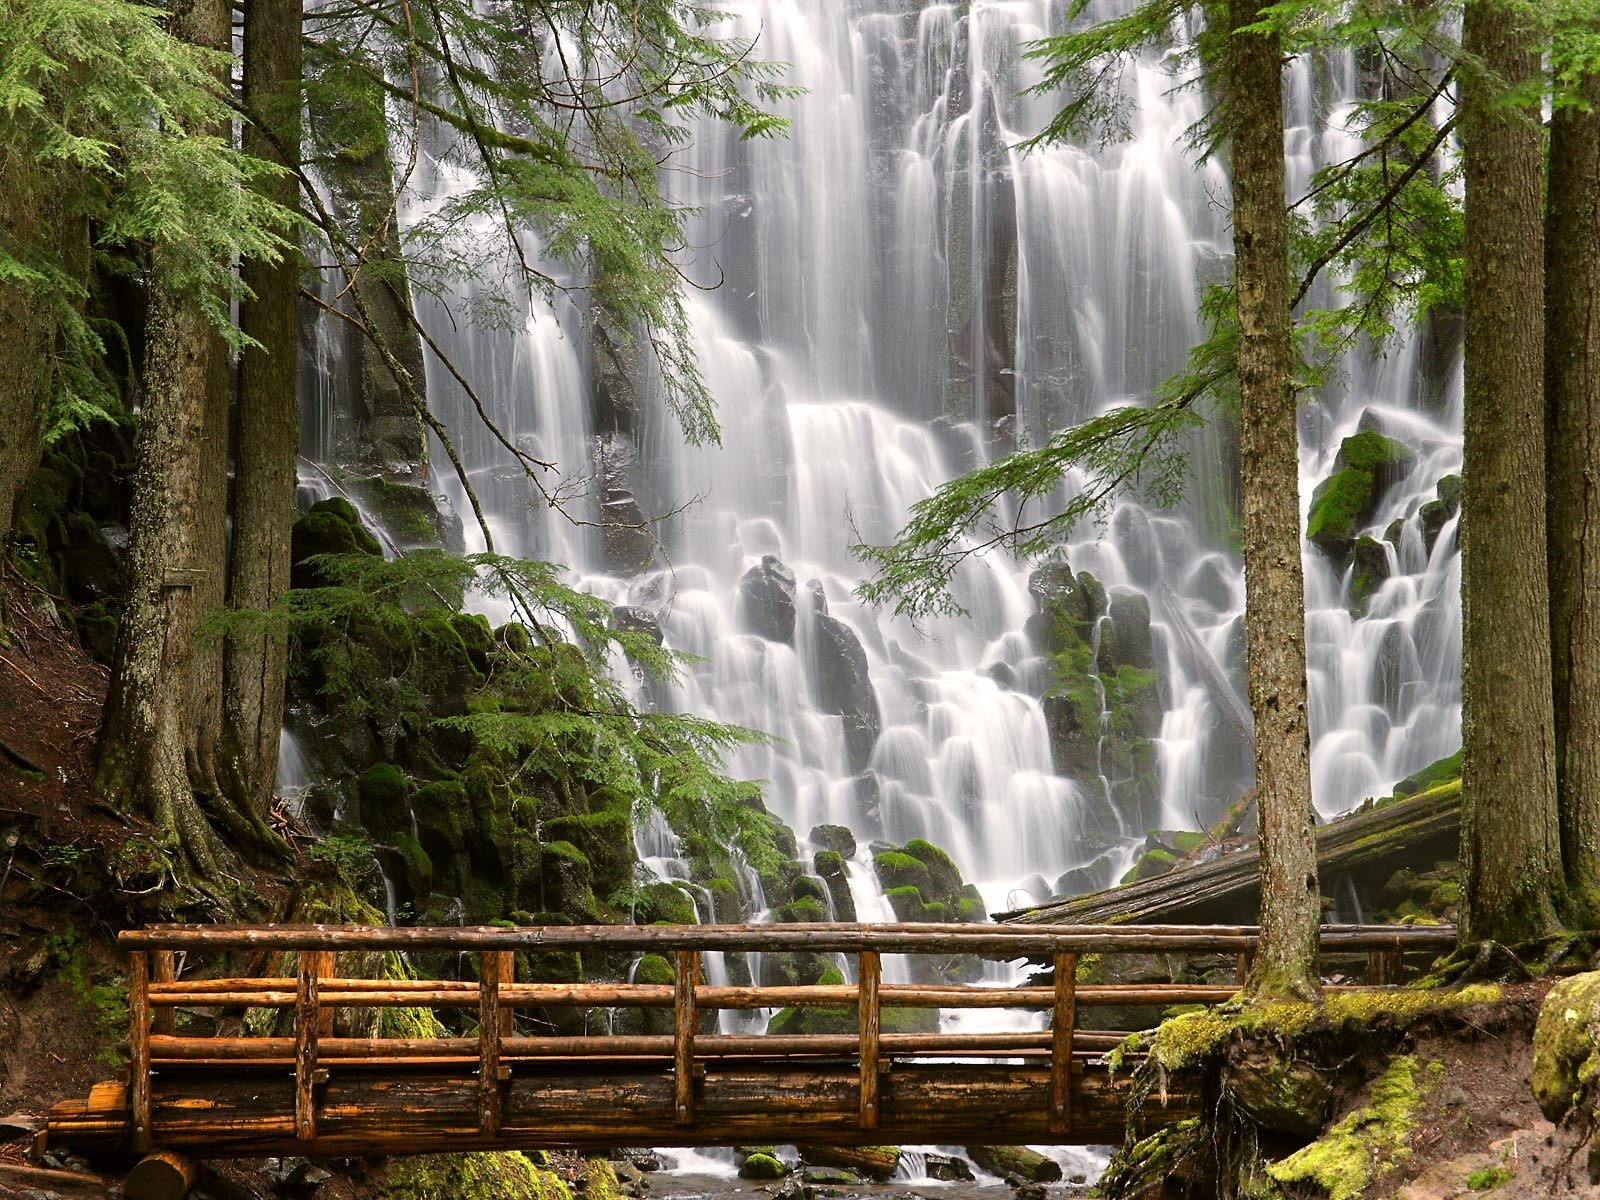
(163,1175)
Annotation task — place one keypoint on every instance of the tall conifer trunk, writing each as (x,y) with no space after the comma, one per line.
(22,332)
(1572,406)
(1275,625)
(269,425)
(1510,843)
(157,716)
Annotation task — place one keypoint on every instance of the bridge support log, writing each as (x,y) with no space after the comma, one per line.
(686,1020)
(489,1033)
(307,1026)
(1064,1021)
(139,1048)
(869,972)
(164,1175)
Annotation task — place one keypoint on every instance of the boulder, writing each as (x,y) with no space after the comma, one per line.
(1366,465)
(1566,1044)
(766,600)
(834,837)
(844,687)
(632,619)
(1016,1162)
(330,526)
(1280,1094)
(626,543)
(1369,562)
(762,1166)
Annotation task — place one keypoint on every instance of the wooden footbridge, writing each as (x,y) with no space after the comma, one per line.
(314,1088)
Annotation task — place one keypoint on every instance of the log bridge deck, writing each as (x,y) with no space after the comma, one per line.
(313,1092)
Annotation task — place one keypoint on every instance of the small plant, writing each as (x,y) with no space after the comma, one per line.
(349,854)
(1489,1178)
(106,1004)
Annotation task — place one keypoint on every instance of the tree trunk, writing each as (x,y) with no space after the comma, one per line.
(22,333)
(269,427)
(1275,622)
(1572,414)
(158,721)
(1509,837)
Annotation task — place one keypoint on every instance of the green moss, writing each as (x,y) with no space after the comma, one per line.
(943,875)
(805,911)
(1430,776)
(1337,507)
(654,968)
(1489,1178)
(762,1166)
(1185,840)
(329,527)
(1371,451)
(606,839)
(1365,1144)
(507,1175)
(663,902)
(906,903)
(900,870)
(1150,864)
(1566,1044)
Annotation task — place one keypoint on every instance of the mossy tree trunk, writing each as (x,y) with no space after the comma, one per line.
(1572,413)
(1510,846)
(22,332)
(1291,900)
(269,429)
(158,706)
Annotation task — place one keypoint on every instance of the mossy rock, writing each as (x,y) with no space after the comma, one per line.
(944,877)
(331,526)
(1566,1044)
(897,870)
(606,839)
(762,1166)
(503,1175)
(808,910)
(1367,463)
(1369,570)
(384,795)
(906,903)
(1431,776)
(550,966)
(408,512)
(665,903)
(1016,1162)
(1151,863)
(835,838)
(564,881)
(654,969)
(1278,1093)
(727,905)
(829,865)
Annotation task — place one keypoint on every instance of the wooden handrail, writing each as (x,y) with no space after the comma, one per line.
(1006,941)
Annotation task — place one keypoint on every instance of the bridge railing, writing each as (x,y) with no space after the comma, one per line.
(315,992)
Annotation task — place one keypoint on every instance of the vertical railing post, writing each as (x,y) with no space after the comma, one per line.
(325,966)
(1241,967)
(869,972)
(164,969)
(307,1022)
(1063,1024)
(489,1042)
(685,1019)
(508,974)
(139,1047)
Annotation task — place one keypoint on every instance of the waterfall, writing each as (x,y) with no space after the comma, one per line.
(901,292)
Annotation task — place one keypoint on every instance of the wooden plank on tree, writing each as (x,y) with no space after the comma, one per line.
(139,1047)
(868,1014)
(685,1020)
(306,1026)
(489,1043)
(1064,1020)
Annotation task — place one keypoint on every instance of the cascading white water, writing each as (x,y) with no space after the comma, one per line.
(904,292)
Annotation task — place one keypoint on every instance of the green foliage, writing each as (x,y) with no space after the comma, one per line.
(105,1004)
(551,710)
(500,1175)
(348,854)
(114,118)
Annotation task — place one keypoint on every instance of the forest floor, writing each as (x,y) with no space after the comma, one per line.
(62,1013)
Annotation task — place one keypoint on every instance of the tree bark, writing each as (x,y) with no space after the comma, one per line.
(1509,839)
(1275,623)
(269,426)
(157,719)
(22,334)
(1572,505)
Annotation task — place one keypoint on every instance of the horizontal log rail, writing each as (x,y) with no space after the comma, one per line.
(313,1088)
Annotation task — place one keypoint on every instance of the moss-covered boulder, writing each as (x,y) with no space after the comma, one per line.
(830,868)
(331,526)
(505,1175)
(1016,1162)
(897,869)
(1566,1044)
(1369,568)
(1367,463)
(762,1166)
(606,839)
(1279,1093)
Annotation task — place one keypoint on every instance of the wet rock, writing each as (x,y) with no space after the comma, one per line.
(1130,618)
(1080,881)
(762,1166)
(948,1168)
(1136,542)
(836,838)
(1002,673)
(632,619)
(877,1162)
(1369,569)
(405,508)
(766,600)
(844,687)
(329,527)
(869,801)
(1566,1044)
(1016,1162)
(1437,513)
(1366,466)
(627,544)
(829,866)
(829,1177)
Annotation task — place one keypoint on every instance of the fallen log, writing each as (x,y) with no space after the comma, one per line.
(877,1162)
(1370,844)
